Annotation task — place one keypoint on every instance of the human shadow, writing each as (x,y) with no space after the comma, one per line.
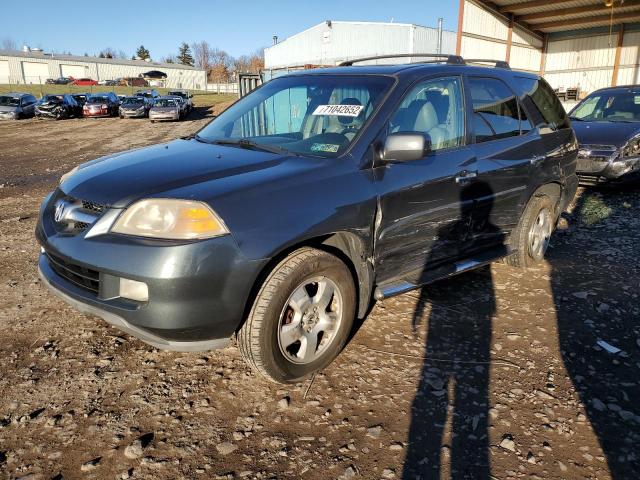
(596,299)
(449,416)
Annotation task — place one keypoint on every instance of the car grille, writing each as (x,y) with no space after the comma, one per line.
(93,207)
(79,216)
(82,277)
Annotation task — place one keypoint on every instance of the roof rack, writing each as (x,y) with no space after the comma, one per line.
(497,63)
(452,59)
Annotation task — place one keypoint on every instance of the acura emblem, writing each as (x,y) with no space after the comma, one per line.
(60,211)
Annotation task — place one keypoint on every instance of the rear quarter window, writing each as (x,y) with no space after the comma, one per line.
(540,99)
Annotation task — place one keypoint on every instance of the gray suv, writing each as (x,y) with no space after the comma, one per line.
(14,106)
(286,216)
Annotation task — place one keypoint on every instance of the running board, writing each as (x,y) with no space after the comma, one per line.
(403,285)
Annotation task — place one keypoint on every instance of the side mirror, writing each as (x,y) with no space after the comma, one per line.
(405,147)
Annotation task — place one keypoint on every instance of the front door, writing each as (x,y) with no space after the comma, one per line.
(425,209)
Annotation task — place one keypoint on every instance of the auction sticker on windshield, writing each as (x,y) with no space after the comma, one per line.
(340,110)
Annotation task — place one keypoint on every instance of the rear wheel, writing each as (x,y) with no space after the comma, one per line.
(301,317)
(531,237)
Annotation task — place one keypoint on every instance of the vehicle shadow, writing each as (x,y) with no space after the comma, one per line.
(448,434)
(198,113)
(596,299)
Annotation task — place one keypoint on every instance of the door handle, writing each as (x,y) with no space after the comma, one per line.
(536,159)
(465,176)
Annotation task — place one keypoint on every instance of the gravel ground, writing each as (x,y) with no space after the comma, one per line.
(493,374)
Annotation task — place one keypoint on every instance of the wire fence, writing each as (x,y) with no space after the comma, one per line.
(39,87)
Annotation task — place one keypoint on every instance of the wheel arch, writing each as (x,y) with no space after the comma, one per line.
(347,246)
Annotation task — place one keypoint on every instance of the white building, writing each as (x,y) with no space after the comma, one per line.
(20,67)
(332,42)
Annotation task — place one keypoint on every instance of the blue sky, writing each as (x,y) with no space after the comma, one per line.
(238,27)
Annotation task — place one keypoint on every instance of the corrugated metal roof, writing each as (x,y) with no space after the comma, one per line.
(78,58)
(554,16)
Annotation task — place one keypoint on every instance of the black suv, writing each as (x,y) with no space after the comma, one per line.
(285,216)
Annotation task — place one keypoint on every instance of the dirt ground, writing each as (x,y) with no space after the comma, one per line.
(495,374)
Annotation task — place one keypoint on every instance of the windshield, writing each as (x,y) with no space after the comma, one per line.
(9,101)
(52,98)
(133,101)
(307,114)
(144,94)
(178,94)
(165,102)
(97,100)
(611,106)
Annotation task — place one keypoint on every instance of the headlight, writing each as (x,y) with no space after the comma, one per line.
(632,148)
(170,219)
(69,173)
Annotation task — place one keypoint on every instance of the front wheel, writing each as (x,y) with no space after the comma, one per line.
(301,317)
(531,237)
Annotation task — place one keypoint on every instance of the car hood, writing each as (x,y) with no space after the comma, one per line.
(118,180)
(7,108)
(605,133)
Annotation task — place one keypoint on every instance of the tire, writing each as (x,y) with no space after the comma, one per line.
(523,238)
(262,339)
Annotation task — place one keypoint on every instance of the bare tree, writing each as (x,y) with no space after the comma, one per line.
(201,54)
(122,54)
(9,43)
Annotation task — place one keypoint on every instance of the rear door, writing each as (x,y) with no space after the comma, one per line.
(425,208)
(506,146)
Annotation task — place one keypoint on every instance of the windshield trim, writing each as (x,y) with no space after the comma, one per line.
(365,125)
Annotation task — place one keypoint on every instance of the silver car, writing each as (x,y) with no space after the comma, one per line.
(166,108)
(14,106)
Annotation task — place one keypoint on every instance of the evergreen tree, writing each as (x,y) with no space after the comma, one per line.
(184,55)
(142,53)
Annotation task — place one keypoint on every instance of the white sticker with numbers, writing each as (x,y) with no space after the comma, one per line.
(339,110)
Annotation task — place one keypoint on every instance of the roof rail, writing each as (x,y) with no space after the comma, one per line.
(497,63)
(453,59)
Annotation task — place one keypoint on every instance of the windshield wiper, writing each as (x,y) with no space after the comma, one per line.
(623,121)
(246,143)
(577,119)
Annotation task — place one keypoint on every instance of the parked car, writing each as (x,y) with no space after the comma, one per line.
(81,98)
(112,83)
(59,81)
(607,124)
(86,82)
(356,183)
(188,97)
(166,108)
(58,106)
(16,105)
(135,107)
(184,110)
(101,105)
(151,94)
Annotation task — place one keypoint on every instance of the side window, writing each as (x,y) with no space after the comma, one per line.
(281,113)
(543,100)
(496,113)
(435,108)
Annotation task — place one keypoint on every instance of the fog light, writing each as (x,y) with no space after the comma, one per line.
(134,290)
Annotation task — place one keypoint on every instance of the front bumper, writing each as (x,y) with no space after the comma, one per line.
(133,114)
(197,290)
(164,116)
(8,116)
(593,171)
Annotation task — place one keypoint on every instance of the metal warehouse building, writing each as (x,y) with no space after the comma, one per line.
(36,67)
(575,44)
(332,42)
